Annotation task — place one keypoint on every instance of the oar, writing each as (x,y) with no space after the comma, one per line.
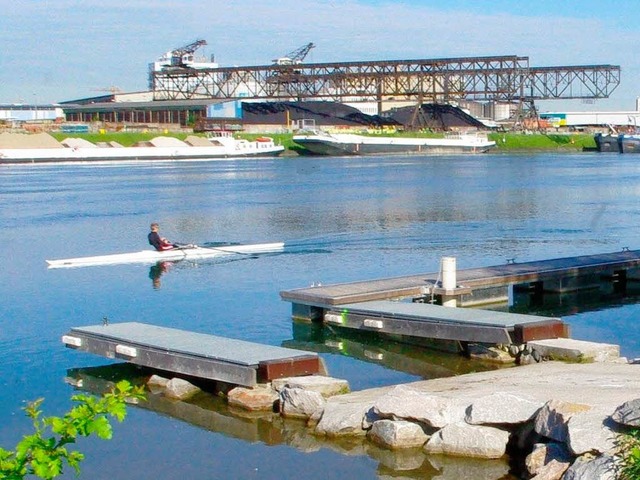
(251,255)
(218,249)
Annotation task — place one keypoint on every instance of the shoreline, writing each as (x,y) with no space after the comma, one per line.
(505,142)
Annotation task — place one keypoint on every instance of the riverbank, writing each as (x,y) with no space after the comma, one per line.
(505,142)
(568,421)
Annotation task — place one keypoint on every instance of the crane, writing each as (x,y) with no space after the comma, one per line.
(295,57)
(181,57)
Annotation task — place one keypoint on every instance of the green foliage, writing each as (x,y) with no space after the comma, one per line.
(540,141)
(44,452)
(629,446)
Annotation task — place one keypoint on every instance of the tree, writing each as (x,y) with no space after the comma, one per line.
(44,452)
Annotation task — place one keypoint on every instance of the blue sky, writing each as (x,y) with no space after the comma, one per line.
(66,49)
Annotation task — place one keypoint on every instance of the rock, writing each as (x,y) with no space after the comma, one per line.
(260,398)
(180,389)
(552,470)
(551,420)
(402,402)
(299,403)
(590,432)
(464,440)
(628,413)
(489,354)
(342,418)
(544,453)
(326,386)
(397,434)
(586,468)
(576,350)
(502,408)
(156,383)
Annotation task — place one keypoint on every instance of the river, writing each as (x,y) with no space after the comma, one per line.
(342,219)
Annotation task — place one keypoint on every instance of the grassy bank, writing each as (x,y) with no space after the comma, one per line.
(504,141)
(539,141)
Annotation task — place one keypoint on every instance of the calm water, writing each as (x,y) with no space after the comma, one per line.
(342,219)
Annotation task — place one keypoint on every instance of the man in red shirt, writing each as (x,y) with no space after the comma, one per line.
(158,242)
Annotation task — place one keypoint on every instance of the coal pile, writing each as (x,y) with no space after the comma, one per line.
(323,113)
(433,117)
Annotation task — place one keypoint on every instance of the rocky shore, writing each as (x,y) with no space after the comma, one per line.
(562,420)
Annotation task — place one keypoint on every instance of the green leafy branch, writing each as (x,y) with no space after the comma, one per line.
(44,453)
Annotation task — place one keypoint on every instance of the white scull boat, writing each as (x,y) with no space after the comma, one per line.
(153,256)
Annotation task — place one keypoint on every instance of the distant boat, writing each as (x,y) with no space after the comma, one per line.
(322,143)
(629,143)
(222,145)
(607,143)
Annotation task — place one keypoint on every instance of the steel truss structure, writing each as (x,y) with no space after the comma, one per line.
(501,79)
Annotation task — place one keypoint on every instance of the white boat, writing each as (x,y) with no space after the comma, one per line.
(221,146)
(193,252)
(322,143)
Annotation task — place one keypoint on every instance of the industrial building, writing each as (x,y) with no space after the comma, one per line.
(18,113)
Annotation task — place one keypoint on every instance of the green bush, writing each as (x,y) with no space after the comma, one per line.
(44,453)
(629,446)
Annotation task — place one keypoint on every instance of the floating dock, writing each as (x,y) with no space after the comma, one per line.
(404,305)
(195,354)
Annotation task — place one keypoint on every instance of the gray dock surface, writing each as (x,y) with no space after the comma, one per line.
(191,353)
(424,320)
(474,278)
(437,313)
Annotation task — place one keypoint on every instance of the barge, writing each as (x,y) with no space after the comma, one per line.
(338,144)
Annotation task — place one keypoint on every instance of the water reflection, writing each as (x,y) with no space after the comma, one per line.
(156,271)
(425,359)
(529,299)
(211,413)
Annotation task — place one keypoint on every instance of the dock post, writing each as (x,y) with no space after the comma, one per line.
(449,281)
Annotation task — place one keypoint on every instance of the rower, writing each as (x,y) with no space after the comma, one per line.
(159,243)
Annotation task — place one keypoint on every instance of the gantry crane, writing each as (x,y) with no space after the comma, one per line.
(295,57)
(181,57)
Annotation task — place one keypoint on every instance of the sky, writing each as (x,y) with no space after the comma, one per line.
(61,50)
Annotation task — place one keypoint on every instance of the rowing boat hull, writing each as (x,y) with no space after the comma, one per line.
(350,144)
(152,256)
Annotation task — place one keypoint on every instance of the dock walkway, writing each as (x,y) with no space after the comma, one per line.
(557,275)
(190,353)
(377,305)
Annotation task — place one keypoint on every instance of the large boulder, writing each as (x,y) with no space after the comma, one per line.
(157,384)
(590,432)
(502,408)
(586,468)
(464,440)
(326,386)
(180,389)
(260,398)
(551,420)
(406,403)
(299,403)
(545,453)
(397,434)
(343,418)
(552,471)
(628,413)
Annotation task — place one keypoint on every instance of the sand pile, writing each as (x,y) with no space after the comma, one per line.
(28,140)
(167,142)
(195,141)
(78,143)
